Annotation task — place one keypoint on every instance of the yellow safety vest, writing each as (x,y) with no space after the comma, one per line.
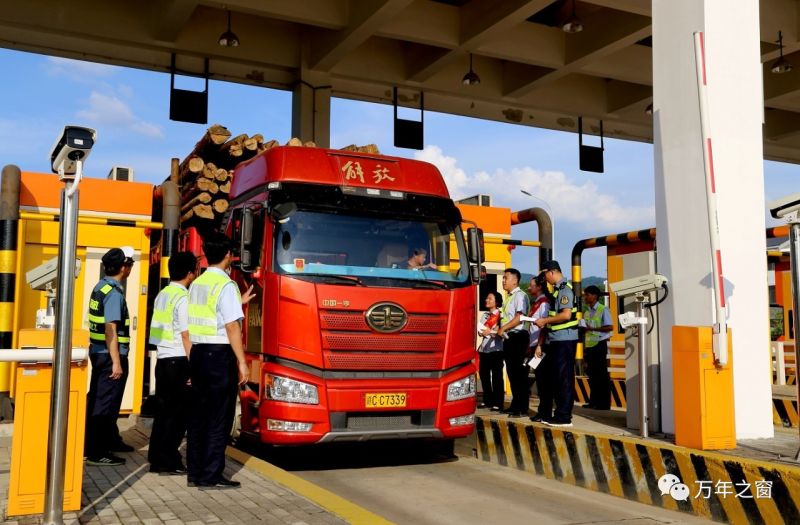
(506,315)
(593,321)
(97,320)
(161,326)
(203,297)
(554,309)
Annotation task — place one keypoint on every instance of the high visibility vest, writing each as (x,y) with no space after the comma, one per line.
(554,310)
(593,321)
(97,320)
(203,298)
(161,326)
(505,312)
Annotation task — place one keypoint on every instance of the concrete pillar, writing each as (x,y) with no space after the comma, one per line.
(311,112)
(732,46)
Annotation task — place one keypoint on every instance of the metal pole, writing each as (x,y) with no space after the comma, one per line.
(643,370)
(794,256)
(59,405)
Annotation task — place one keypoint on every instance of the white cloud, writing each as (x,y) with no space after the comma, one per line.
(111,111)
(578,203)
(78,70)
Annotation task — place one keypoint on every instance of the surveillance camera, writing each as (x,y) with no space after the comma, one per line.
(642,284)
(46,273)
(786,208)
(73,144)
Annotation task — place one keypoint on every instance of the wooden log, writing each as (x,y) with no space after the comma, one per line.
(200,198)
(220,206)
(215,135)
(186,216)
(251,143)
(222,175)
(203,211)
(310,144)
(294,141)
(234,147)
(189,168)
(369,148)
(225,188)
(351,147)
(210,171)
(199,186)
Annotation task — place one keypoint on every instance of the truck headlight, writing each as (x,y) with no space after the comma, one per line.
(289,390)
(461,389)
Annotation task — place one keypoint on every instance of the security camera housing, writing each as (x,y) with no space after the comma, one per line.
(73,144)
(642,284)
(46,273)
(785,207)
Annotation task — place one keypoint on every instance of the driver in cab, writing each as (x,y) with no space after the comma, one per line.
(417,260)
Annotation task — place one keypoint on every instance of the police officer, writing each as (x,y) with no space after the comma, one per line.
(562,343)
(516,342)
(169,332)
(109,335)
(217,365)
(597,327)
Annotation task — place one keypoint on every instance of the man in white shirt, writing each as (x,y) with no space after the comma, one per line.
(169,331)
(217,367)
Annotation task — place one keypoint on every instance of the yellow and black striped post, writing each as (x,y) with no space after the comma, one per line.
(9,221)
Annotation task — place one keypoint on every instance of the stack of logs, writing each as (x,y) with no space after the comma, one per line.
(204,176)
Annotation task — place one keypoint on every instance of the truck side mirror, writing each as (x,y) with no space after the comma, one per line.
(245,240)
(477,273)
(475,245)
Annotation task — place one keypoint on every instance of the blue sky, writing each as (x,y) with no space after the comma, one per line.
(129,108)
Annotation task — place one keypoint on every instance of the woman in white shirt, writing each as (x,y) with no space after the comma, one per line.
(491,355)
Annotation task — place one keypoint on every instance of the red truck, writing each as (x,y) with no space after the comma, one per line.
(365,318)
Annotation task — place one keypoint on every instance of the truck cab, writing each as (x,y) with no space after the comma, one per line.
(365,317)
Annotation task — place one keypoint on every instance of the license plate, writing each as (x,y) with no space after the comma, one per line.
(385,400)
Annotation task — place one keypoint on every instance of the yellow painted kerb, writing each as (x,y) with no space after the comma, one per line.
(326,499)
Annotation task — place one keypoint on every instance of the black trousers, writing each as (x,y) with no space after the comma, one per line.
(514,349)
(491,373)
(545,376)
(172,403)
(102,405)
(599,379)
(563,370)
(214,387)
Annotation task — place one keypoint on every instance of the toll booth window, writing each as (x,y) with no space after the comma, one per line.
(777,325)
(316,243)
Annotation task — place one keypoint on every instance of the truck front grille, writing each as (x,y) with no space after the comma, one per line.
(378,421)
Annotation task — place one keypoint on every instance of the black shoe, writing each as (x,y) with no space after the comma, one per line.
(495,409)
(109,460)
(221,483)
(588,405)
(169,471)
(539,419)
(122,447)
(482,405)
(558,423)
(517,414)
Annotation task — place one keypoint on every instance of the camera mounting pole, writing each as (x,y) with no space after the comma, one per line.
(641,320)
(59,401)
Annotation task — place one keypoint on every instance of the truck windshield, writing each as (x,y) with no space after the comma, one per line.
(409,253)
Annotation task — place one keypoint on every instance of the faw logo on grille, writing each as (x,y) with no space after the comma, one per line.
(386,317)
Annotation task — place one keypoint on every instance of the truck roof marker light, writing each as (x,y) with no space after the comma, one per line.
(274,185)
(396,194)
(373,191)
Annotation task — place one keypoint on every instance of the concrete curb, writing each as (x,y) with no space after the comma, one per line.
(630,468)
(784,412)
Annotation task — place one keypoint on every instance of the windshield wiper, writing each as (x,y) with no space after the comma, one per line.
(351,279)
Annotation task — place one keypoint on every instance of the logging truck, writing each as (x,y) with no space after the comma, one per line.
(363,326)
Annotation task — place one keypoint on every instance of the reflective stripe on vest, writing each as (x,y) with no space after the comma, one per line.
(97,320)
(594,321)
(573,321)
(161,326)
(203,297)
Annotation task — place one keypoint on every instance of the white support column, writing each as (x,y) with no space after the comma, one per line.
(736,109)
(311,111)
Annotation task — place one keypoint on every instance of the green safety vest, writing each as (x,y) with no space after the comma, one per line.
(97,320)
(554,309)
(593,321)
(203,297)
(161,326)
